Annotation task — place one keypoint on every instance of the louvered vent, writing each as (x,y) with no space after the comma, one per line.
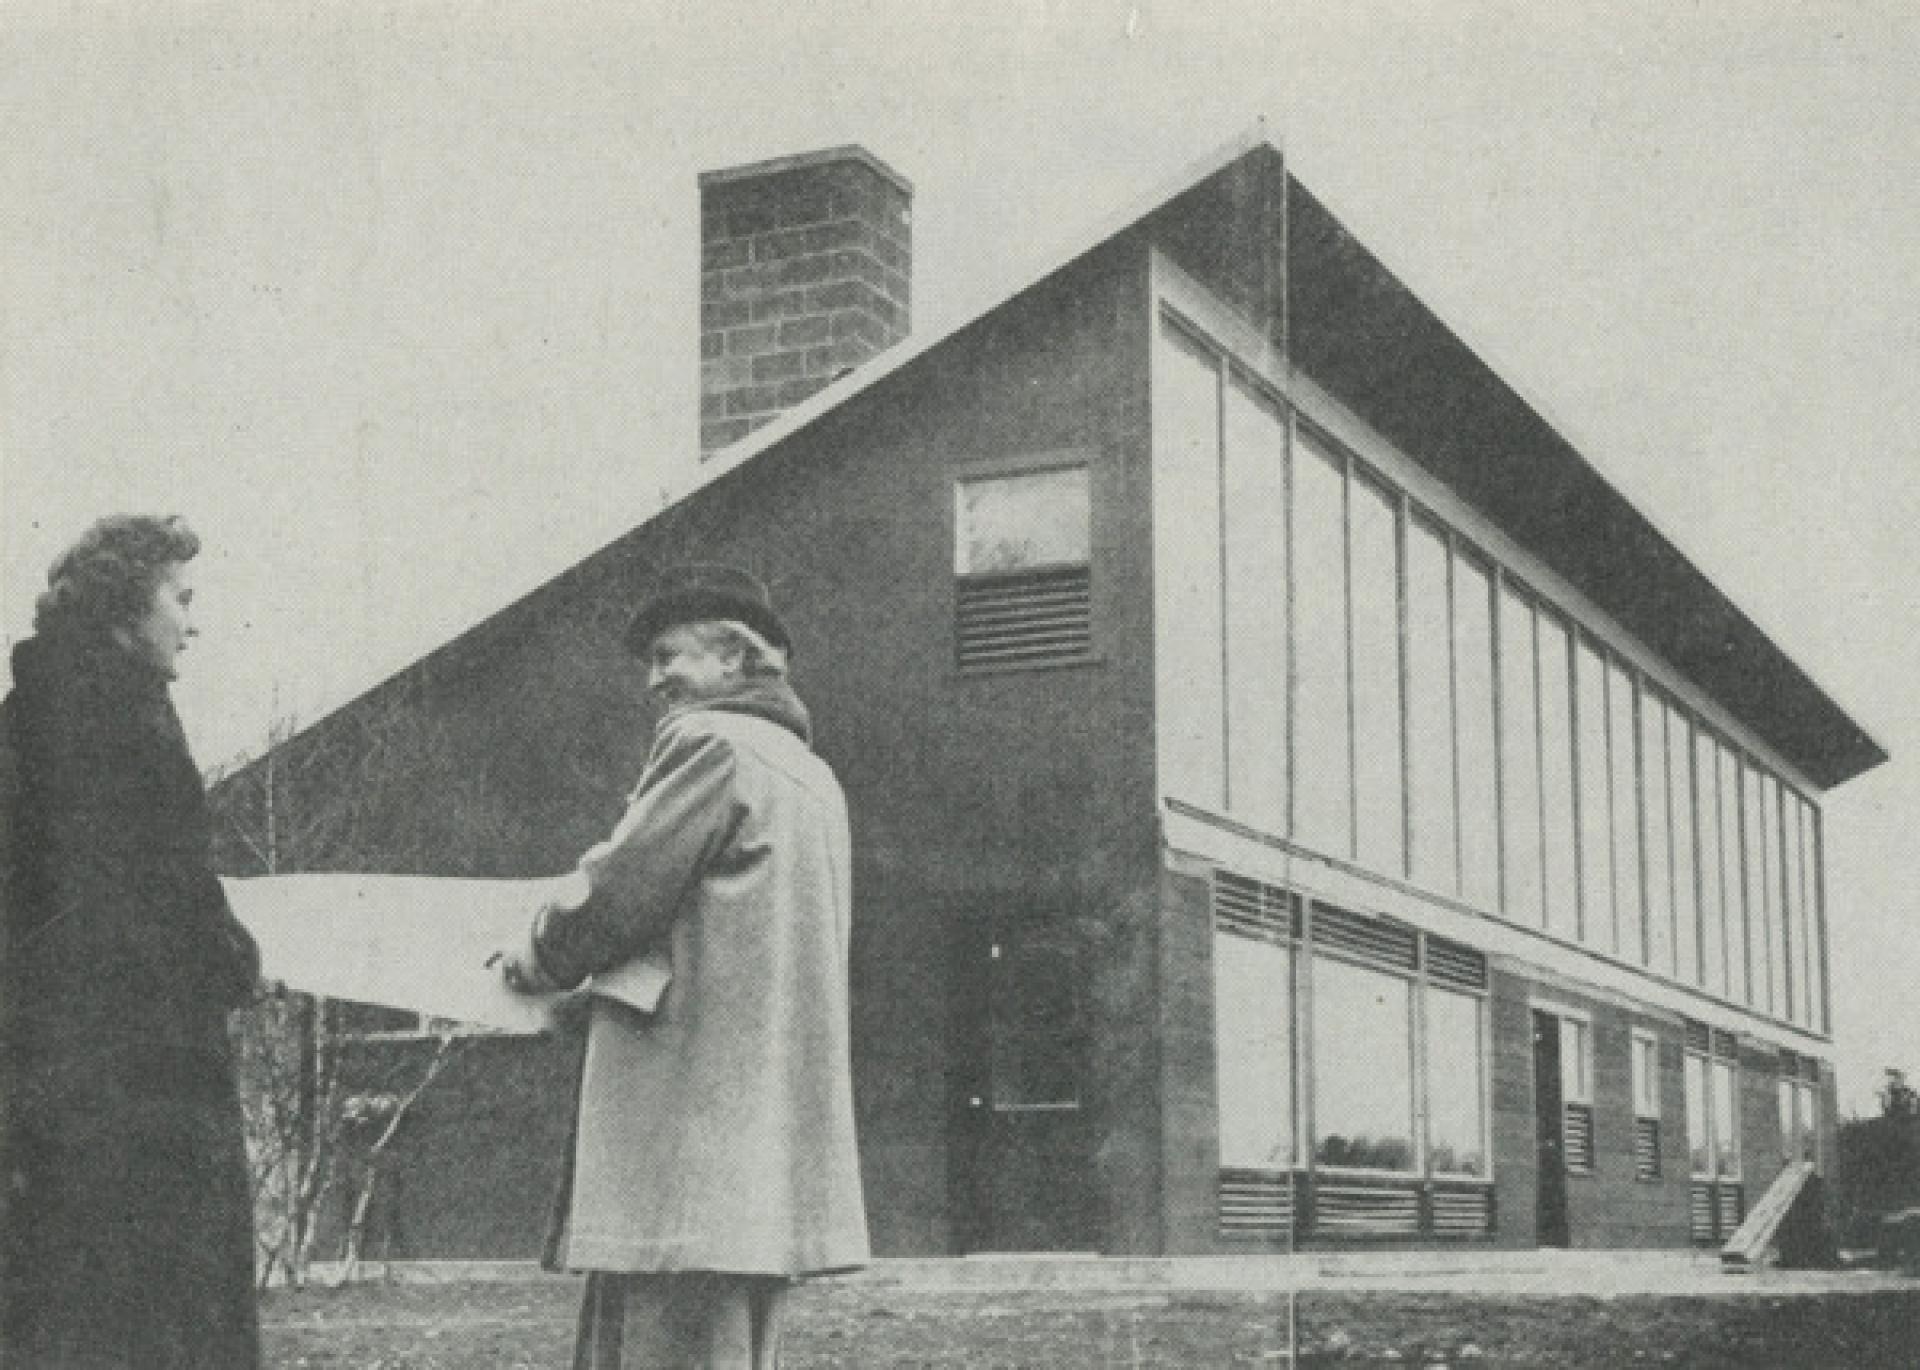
(1255,1205)
(1032,618)
(1701,1212)
(1371,940)
(1731,1203)
(1463,1211)
(1456,966)
(1646,1148)
(1726,1045)
(1810,1070)
(1578,1135)
(1253,909)
(1367,1208)
(1698,1037)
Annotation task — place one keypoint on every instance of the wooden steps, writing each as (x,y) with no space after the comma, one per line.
(1753,1244)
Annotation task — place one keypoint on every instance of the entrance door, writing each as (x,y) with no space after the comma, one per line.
(1551,1228)
(1024,1183)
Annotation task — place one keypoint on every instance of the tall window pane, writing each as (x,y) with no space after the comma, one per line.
(1733,885)
(1686,895)
(1773,875)
(1624,727)
(1473,685)
(1256,512)
(1323,789)
(1654,831)
(1816,931)
(1699,1117)
(1711,900)
(1726,1119)
(1798,1135)
(1809,921)
(1253,1000)
(1753,833)
(1796,922)
(1576,1057)
(1430,708)
(1186,526)
(1559,878)
(1712,914)
(1596,802)
(1455,1084)
(1519,759)
(1646,1076)
(1363,1067)
(1379,800)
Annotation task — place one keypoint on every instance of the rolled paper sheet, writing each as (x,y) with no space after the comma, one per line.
(417,943)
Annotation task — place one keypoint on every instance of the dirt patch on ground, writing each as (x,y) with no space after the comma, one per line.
(530,1327)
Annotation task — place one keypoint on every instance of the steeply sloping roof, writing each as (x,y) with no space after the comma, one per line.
(1360,333)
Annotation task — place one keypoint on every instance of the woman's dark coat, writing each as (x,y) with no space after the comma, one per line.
(130,1229)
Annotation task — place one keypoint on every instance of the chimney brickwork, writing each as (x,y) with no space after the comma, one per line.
(805,267)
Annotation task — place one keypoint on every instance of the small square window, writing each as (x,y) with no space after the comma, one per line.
(1021,547)
(1022,522)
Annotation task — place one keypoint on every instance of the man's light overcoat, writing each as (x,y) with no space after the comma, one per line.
(717,1132)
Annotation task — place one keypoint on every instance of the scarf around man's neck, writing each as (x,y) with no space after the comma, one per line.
(772,699)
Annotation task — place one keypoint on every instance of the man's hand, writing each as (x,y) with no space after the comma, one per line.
(513,970)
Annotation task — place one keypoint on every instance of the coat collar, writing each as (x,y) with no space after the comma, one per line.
(772,700)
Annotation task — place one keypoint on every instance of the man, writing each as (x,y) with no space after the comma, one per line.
(713,1160)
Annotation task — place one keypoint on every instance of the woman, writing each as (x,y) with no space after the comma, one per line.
(130,1224)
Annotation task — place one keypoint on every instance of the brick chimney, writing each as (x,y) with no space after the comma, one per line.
(804,267)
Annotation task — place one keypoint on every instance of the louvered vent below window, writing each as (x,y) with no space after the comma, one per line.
(1646,1148)
(1455,966)
(1463,1210)
(1033,618)
(1367,1208)
(1578,1135)
(1731,1202)
(1701,1212)
(1256,1205)
(1375,942)
(1253,909)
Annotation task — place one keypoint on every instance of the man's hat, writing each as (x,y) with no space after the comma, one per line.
(703,592)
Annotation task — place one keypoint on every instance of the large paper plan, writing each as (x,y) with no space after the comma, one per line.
(410,942)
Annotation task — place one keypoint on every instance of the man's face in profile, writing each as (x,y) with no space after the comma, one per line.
(686,664)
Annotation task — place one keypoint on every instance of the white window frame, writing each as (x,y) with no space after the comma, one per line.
(1010,469)
(1416,1066)
(1712,1063)
(1289,991)
(1577,1092)
(1791,1089)
(1646,1102)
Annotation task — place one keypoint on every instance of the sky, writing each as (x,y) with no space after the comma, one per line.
(397,303)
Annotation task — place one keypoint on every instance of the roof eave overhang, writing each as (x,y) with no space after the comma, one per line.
(1354,327)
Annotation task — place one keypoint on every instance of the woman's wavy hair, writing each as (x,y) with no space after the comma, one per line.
(106,579)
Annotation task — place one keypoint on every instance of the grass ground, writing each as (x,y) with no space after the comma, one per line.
(530,1326)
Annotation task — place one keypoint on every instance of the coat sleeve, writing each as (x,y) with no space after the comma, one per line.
(635,883)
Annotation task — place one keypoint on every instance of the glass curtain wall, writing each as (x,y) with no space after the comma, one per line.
(1339,667)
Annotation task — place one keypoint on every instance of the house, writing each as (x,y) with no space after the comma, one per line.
(1297,800)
